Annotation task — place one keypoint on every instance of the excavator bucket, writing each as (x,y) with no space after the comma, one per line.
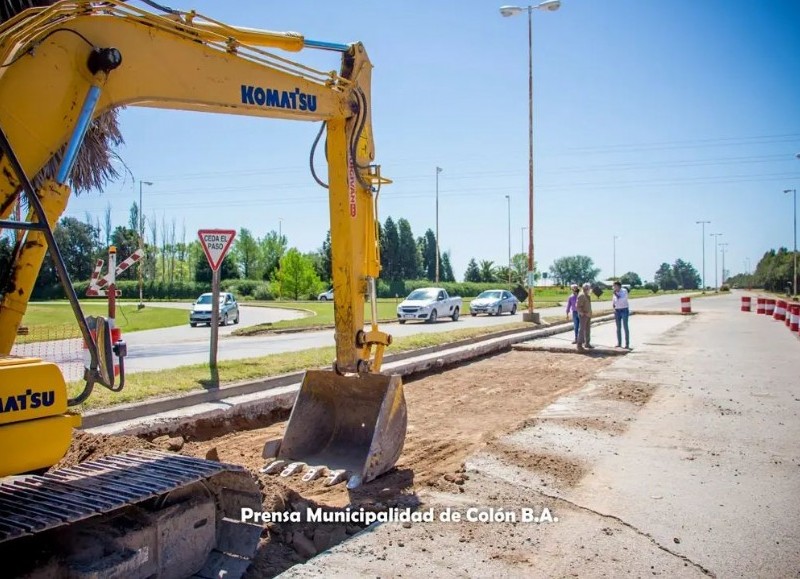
(354,423)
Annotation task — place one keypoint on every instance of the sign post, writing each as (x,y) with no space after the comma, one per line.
(215,243)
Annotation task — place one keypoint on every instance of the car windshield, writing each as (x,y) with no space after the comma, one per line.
(206,299)
(490,295)
(422,295)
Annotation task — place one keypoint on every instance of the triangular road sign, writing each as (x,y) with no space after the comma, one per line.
(216,243)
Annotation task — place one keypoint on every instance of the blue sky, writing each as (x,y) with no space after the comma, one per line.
(648,116)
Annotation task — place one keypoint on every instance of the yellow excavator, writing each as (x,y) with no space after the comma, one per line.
(144,513)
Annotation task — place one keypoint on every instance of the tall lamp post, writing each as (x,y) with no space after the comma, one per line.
(703,236)
(141,245)
(794,213)
(508,199)
(716,237)
(438,170)
(548,5)
(723,251)
(614,270)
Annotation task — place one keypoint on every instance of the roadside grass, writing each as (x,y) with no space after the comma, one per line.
(56,320)
(144,385)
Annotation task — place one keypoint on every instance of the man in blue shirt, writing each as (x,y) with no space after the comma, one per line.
(621,313)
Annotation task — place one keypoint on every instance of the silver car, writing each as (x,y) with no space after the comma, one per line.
(201,310)
(494,303)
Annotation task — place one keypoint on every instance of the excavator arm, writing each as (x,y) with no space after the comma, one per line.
(66,64)
(61,67)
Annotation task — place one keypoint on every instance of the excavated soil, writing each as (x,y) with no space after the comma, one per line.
(450,415)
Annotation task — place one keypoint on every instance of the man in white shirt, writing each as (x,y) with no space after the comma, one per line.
(621,313)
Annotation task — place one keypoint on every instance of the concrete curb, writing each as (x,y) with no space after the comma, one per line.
(254,399)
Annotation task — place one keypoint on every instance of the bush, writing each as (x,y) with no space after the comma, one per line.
(130,290)
(262,292)
(242,287)
(653,287)
(724,288)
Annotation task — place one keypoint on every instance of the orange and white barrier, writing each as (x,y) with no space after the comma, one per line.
(761,307)
(769,306)
(746,303)
(794,324)
(686,305)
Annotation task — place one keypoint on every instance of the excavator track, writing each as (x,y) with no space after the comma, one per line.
(138,514)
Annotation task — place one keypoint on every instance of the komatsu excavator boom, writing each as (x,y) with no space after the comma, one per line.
(62,66)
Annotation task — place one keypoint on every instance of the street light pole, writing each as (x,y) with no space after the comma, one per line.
(716,237)
(703,237)
(141,245)
(508,199)
(438,170)
(549,5)
(723,251)
(794,213)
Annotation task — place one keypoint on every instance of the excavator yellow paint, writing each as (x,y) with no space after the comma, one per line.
(350,417)
(35,426)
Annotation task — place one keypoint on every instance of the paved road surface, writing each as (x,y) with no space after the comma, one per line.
(183,345)
(701,480)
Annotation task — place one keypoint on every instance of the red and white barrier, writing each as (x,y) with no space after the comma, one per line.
(769,306)
(746,303)
(761,307)
(794,324)
(780,310)
(686,305)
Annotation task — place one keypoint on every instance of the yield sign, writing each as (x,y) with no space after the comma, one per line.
(216,243)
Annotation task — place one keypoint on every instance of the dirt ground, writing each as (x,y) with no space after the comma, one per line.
(451,414)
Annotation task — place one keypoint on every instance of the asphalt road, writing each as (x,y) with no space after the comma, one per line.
(171,347)
(183,345)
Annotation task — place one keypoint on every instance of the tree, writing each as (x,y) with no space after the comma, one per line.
(519,266)
(296,275)
(408,253)
(390,250)
(473,272)
(631,279)
(446,273)
(327,260)
(247,252)
(6,251)
(487,271)
(577,269)
(228,270)
(126,241)
(428,251)
(685,275)
(503,273)
(664,278)
(273,247)
(775,270)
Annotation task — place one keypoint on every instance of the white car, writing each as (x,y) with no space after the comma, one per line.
(428,304)
(494,303)
(326,296)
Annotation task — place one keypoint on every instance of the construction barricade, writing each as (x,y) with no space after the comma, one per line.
(769,306)
(761,307)
(745,303)
(686,305)
(780,310)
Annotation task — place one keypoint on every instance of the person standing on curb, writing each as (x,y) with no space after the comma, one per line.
(572,306)
(621,313)
(584,305)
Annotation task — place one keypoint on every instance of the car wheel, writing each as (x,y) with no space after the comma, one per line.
(401,321)
(473,314)
(323,299)
(236,320)
(455,315)
(193,324)
(224,320)
(514,309)
(432,318)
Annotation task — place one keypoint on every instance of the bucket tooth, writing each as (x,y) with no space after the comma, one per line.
(314,473)
(355,423)
(274,467)
(354,482)
(335,477)
(293,468)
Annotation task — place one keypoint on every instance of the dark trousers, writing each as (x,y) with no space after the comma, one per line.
(576,322)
